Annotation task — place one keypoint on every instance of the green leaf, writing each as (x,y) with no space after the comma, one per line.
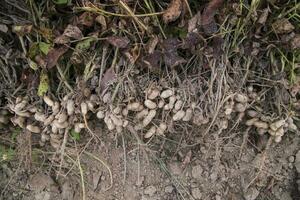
(75,135)
(33,50)
(60,1)
(85,44)
(32,65)
(15,133)
(44,83)
(6,154)
(44,47)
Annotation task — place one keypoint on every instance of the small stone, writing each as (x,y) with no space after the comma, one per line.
(218,197)
(175,168)
(196,193)
(169,189)
(251,194)
(297,162)
(197,172)
(140,181)
(291,159)
(150,190)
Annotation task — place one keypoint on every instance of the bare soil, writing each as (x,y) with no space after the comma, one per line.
(223,168)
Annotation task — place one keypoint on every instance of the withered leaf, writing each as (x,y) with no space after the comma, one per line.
(101,20)
(170,44)
(73,32)
(107,78)
(208,22)
(62,39)
(53,56)
(295,42)
(264,16)
(191,40)
(194,22)
(282,26)
(86,19)
(172,59)
(22,29)
(173,11)
(151,45)
(153,60)
(217,47)
(118,41)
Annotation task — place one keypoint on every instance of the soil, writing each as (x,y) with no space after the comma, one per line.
(215,169)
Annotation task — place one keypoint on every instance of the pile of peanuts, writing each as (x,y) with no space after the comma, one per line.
(151,116)
(165,104)
(52,120)
(275,128)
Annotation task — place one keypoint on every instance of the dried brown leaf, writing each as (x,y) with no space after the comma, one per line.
(283,26)
(101,20)
(170,45)
(118,41)
(107,78)
(86,19)
(151,45)
(173,11)
(54,55)
(194,22)
(172,59)
(22,29)
(187,159)
(73,32)
(62,39)
(191,40)
(153,60)
(295,42)
(208,22)
(264,16)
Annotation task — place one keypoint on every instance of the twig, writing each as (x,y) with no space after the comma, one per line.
(62,150)
(262,163)
(100,11)
(188,7)
(82,178)
(128,10)
(125,164)
(105,165)
(102,66)
(63,77)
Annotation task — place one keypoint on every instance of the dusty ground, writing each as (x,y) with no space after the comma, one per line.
(183,171)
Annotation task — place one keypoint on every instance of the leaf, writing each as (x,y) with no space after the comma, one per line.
(44,47)
(62,39)
(118,41)
(107,78)
(73,32)
(295,42)
(44,83)
(172,59)
(75,135)
(59,2)
(173,11)
(194,22)
(86,19)
(33,50)
(282,26)
(191,40)
(53,56)
(85,44)
(153,60)
(22,30)
(208,22)
(32,64)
